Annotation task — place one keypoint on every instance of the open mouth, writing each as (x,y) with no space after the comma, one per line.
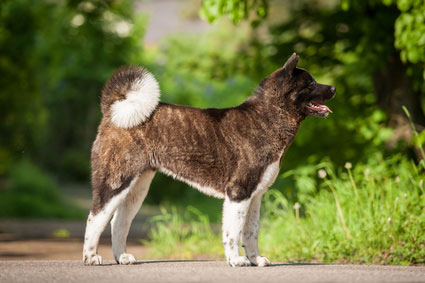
(318,109)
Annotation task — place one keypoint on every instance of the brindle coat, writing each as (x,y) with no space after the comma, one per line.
(227,150)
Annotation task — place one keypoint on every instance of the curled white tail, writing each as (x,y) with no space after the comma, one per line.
(140,101)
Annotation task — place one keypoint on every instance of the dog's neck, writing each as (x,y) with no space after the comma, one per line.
(288,125)
(283,123)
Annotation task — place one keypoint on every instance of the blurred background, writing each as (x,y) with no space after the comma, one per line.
(368,203)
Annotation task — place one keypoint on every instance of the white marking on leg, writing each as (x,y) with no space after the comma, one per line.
(250,229)
(250,233)
(95,226)
(121,222)
(234,215)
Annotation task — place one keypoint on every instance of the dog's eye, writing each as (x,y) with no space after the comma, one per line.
(312,85)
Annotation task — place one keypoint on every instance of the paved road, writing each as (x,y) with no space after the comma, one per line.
(202,271)
(70,249)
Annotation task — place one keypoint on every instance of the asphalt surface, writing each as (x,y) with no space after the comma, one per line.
(202,271)
(58,249)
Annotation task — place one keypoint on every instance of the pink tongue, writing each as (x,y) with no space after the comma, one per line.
(322,107)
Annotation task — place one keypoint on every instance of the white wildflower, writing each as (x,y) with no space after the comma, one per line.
(78,20)
(297,205)
(348,165)
(397,179)
(322,173)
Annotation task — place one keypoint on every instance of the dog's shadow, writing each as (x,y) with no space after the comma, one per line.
(173,261)
(206,260)
(296,264)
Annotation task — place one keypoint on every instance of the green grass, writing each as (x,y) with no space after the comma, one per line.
(184,236)
(372,213)
(380,219)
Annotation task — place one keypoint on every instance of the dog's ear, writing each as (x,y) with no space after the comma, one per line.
(291,63)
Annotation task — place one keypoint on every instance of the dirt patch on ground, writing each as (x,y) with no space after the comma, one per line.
(59,249)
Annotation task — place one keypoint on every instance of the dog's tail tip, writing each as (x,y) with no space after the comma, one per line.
(130,95)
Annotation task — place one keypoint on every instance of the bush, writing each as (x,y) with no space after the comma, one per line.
(30,193)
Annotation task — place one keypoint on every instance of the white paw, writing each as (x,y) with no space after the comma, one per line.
(94,259)
(261,261)
(126,259)
(239,261)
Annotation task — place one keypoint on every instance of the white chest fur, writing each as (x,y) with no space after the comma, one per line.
(268,178)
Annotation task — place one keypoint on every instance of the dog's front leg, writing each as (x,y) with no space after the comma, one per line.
(234,215)
(250,233)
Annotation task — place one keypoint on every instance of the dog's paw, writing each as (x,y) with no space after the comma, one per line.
(126,259)
(261,261)
(239,261)
(94,259)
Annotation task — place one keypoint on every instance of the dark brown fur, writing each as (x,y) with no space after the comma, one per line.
(225,149)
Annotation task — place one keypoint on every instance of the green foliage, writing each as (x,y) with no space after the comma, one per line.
(61,233)
(409,25)
(30,193)
(54,61)
(182,236)
(235,9)
(410,30)
(382,206)
(218,79)
(384,219)
(22,113)
(178,194)
(418,138)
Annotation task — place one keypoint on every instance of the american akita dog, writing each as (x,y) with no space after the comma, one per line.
(233,153)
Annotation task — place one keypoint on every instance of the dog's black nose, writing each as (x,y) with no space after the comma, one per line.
(333,89)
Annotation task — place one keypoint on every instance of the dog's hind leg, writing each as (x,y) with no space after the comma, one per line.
(120,224)
(234,215)
(96,223)
(250,233)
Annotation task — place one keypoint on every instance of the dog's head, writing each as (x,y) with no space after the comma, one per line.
(296,90)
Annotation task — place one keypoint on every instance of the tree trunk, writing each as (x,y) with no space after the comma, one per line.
(394,88)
